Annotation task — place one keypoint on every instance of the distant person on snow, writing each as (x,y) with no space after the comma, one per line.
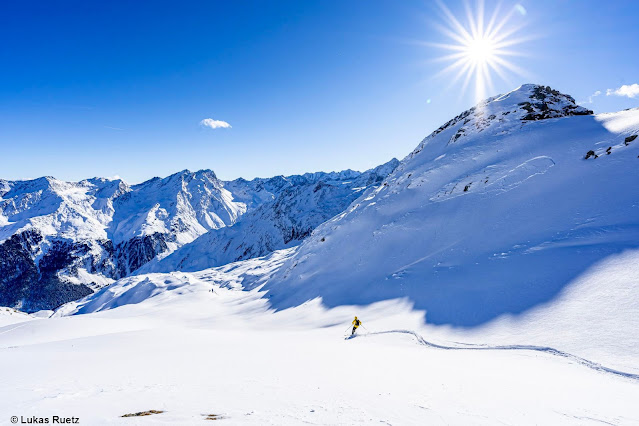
(356,323)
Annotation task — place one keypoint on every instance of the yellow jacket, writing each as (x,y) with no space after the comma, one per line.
(356,323)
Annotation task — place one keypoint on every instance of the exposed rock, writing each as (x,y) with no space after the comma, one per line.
(591,153)
(549,103)
(31,286)
(143,413)
(527,103)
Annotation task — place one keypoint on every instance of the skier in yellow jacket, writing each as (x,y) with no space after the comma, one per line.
(356,323)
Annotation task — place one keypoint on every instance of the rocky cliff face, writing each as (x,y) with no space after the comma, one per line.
(29,277)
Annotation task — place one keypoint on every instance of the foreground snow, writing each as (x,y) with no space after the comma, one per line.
(194,344)
(11,316)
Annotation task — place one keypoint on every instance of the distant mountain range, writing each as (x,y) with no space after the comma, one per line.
(60,241)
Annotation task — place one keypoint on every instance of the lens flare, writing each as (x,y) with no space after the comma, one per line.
(479,49)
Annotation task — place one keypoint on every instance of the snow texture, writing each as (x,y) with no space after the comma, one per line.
(196,344)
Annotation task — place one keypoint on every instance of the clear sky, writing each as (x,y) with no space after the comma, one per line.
(110,88)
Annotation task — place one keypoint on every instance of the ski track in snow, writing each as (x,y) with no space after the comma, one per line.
(478,347)
(9,328)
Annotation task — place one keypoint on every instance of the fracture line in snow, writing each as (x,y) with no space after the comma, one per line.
(544,349)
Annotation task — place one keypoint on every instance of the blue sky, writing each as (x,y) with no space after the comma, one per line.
(120,88)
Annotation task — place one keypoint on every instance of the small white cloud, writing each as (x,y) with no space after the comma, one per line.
(215,124)
(628,90)
(521,9)
(590,98)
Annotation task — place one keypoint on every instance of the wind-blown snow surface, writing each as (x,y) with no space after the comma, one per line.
(194,344)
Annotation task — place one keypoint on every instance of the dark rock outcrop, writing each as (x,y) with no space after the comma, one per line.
(32,286)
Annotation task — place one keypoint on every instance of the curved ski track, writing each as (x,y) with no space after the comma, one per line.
(545,349)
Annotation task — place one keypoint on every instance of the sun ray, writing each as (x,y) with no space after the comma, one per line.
(471,22)
(493,19)
(448,58)
(459,38)
(469,74)
(480,17)
(477,50)
(514,69)
(498,69)
(509,53)
(501,24)
(454,22)
(452,67)
(462,71)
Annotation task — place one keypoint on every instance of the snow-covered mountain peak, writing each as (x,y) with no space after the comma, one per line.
(186,204)
(529,102)
(481,211)
(187,175)
(285,211)
(332,176)
(538,102)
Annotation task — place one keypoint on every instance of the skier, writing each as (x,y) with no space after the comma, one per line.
(356,323)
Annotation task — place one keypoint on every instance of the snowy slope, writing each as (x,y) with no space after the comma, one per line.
(194,345)
(11,316)
(504,220)
(282,222)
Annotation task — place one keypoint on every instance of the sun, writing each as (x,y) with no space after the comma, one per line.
(479,51)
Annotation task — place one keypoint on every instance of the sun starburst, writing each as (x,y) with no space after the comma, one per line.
(479,50)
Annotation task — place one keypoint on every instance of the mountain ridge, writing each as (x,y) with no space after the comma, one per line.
(88,233)
(468,228)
